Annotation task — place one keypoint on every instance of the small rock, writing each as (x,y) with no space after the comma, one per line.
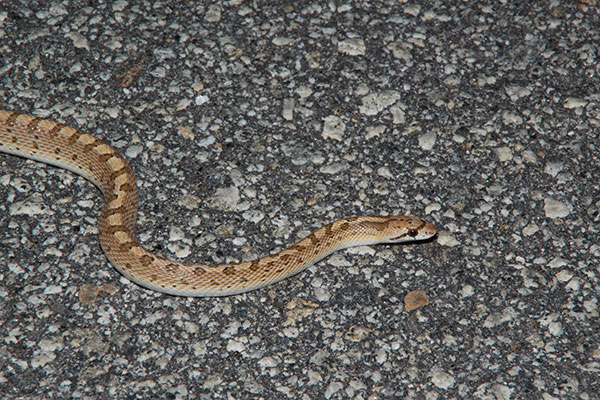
(415,299)
(557,262)
(333,388)
(226,199)
(553,168)
(213,14)
(413,9)
(516,92)
(504,153)
(555,209)
(555,328)
(352,47)
(530,229)
(564,275)
(186,132)
(573,102)
(445,238)
(288,109)
(79,40)
(374,103)
(441,379)
(333,128)
(282,41)
(427,140)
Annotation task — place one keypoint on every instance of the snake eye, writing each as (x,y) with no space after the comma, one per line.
(413,233)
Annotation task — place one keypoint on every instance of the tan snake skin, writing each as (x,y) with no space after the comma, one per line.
(53,143)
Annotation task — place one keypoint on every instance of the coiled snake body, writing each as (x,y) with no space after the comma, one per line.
(65,147)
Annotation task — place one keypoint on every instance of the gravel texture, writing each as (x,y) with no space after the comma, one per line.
(249,124)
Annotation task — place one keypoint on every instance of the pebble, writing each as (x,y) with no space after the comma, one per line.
(530,229)
(427,140)
(352,47)
(374,103)
(504,153)
(553,168)
(288,109)
(517,92)
(134,150)
(573,102)
(78,40)
(226,198)
(445,238)
(441,379)
(213,14)
(555,208)
(333,128)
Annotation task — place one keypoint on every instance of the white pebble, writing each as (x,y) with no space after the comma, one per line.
(504,153)
(79,40)
(333,388)
(201,99)
(333,128)
(213,14)
(511,118)
(288,109)
(253,216)
(445,238)
(234,345)
(555,328)
(413,9)
(441,379)
(530,229)
(516,92)
(374,131)
(555,209)
(282,41)
(374,103)
(553,168)
(432,207)
(573,102)
(226,199)
(385,172)
(427,140)
(564,275)
(133,151)
(352,47)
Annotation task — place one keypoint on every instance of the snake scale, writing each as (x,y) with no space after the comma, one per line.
(65,147)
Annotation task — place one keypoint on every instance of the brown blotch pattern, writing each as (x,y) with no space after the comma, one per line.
(146,260)
(171,267)
(126,187)
(126,247)
(56,129)
(32,125)
(115,174)
(112,229)
(229,270)
(12,117)
(254,265)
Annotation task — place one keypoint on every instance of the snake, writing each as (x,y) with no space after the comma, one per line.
(65,147)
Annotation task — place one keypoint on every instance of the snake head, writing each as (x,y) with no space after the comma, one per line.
(389,229)
(408,229)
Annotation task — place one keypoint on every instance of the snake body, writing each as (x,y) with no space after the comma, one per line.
(65,147)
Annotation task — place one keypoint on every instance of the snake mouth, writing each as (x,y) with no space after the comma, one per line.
(396,238)
(408,238)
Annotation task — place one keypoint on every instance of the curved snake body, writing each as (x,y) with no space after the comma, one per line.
(65,147)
